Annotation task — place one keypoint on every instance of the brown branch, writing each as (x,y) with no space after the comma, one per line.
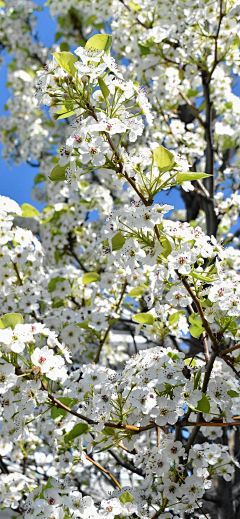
(109,327)
(204,390)
(137,19)
(103,470)
(121,426)
(216,61)
(229,350)
(193,108)
(210,424)
(72,252)
(126,464)
(134,451)
(20,281)
(215,344)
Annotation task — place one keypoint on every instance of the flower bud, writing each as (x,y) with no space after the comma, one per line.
(84,78)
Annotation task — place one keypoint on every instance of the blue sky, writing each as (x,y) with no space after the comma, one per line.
(17,181)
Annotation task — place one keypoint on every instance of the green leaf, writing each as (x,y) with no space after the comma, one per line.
(134,7)
(229,143)
(232,328)
(136,292)
(144,49)
(192,93)
(10,320)
(196,327)
(39,178)
(163,159)
(66,60)
(232,394)
(58,35)
(173,318)
(104,89)
(197,378)
(108,431)
(203,405)
(173,356)
(166,245)
(2,3)
(201,277)
(64,46)
(28,210)
(78,430)
(90,20)
(126,498)
(58,173)
(118,241)
(100,42)
(189,175)
(52,284)
(236,42)
(206,303)
(90,277)
(57,413)
(143,318)
(83,325)
(31,72)
(63,113)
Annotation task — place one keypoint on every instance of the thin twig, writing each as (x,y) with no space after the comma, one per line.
(109,327)
(103,470)
(193,108)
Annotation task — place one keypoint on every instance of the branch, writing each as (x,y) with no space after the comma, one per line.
(193,108)
(121,426)
(215,343)
(109,327)
(204,390)
(215,62)
(126,464)
(137,19)
(103,470)
(73,253)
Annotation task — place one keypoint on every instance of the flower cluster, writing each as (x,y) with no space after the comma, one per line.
(119,325)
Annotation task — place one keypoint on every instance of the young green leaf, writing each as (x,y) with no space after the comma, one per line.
(83,325)
(78,430)
(66,60)
(118,241)
(173,318)
(203,405)
(63,113)
(201,277)
(104,89)
(143,318)
(196,327)
(57,413)
(100,42)
(166,245)
(29,211)
(58,173)
(190,175)
(90,277)
(126,498)
(39,178)
(11,320)
(232,393)
(163,159)
(53,283)
(136,292)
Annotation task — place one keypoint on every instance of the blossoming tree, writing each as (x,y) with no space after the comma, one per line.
(119,326)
